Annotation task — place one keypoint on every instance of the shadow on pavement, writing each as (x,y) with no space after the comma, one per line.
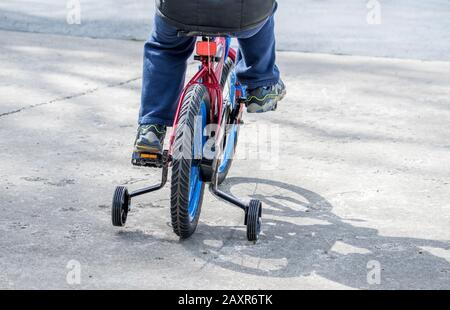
(302,237)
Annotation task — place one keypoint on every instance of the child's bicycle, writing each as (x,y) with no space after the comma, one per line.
(202,144)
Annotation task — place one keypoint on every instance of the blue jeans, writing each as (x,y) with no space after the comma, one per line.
(165,64)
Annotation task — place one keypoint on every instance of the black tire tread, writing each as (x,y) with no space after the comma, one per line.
(253,220)
(120,201)
(181,166)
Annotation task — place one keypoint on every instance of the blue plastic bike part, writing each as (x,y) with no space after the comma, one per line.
(227,46)
(231,134)
(243,90)
(229,149)
(195,183)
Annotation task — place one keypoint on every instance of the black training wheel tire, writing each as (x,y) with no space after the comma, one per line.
(120,206)
(253,220)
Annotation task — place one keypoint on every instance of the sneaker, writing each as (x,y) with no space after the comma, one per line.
(150,139)
(265,99)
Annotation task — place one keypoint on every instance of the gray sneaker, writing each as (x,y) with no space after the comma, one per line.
(150,139)
(265,99)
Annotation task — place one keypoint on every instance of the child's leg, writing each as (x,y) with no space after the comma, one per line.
(256,66)
(165,63)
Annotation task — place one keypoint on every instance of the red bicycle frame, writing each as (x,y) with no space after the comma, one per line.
(209,75)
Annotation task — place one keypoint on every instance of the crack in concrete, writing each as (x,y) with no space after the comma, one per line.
(77,95)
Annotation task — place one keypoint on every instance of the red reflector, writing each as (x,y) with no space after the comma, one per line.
(205,48)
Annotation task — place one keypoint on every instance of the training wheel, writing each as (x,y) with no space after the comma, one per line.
(253,219)
(120,206)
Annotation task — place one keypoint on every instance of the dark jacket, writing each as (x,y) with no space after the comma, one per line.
(215,16)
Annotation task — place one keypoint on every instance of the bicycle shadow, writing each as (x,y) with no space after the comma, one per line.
(301,236)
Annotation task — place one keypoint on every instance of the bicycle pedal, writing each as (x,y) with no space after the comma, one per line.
(152,160)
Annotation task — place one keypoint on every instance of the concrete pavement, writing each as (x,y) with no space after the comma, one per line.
(362,180)
(403,28)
